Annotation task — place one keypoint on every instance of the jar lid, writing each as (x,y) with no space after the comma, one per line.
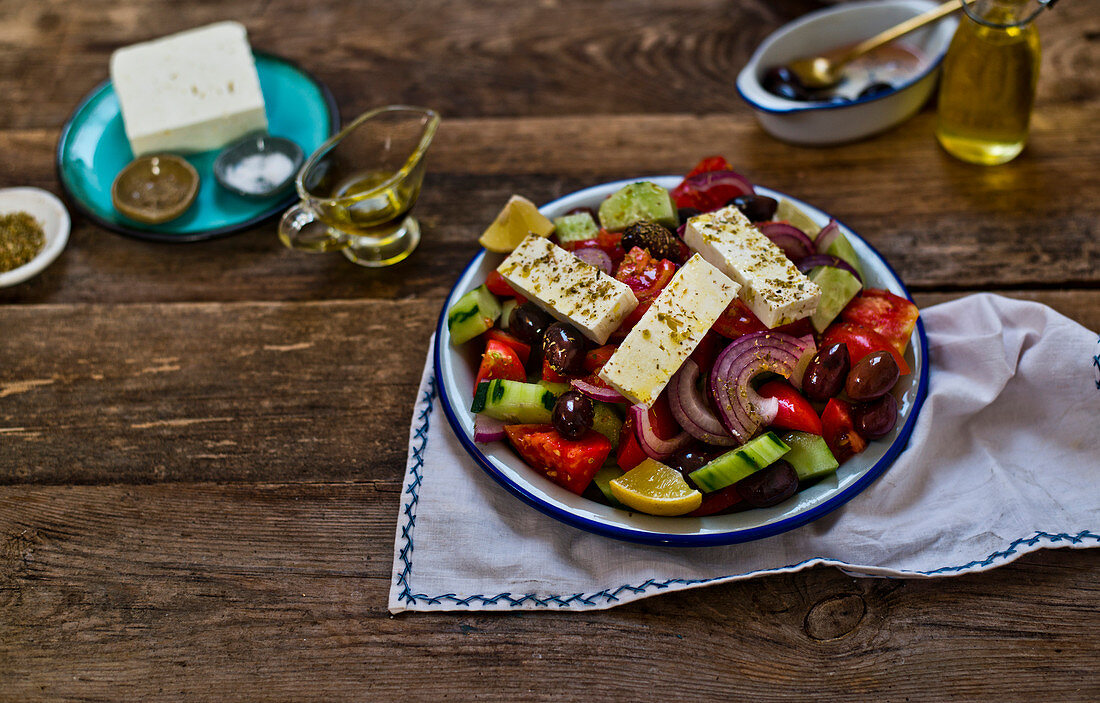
(155,189)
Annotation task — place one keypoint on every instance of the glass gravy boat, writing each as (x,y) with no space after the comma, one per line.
(358,189)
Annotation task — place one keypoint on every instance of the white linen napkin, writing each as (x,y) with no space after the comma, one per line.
(1004,460)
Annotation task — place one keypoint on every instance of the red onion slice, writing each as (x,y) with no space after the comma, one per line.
(741,409)
(793,241)
(827,236)
(488,429)
(653,446)
(689,407)
(607,395)
(807,263)
(595,257)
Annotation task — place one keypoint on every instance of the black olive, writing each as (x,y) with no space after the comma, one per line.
(652,237)
(573,414)
(758,208)
(564,348)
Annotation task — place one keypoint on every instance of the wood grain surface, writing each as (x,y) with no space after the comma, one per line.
(202,446)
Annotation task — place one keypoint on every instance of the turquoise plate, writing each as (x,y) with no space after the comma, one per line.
(93,148)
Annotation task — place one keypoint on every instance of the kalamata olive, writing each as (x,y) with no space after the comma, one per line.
(573,414)
(528,323)
(872,376)
(781,81)
(686,213)
(690,460)
(769,486)
(826,373)
(875,419)
(654,238)
(758,208)
(875,89)
(564,348)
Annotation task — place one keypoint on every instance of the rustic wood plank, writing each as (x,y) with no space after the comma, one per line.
(241,392)
(942,224)
(278,592)
(494,58)
(244,392)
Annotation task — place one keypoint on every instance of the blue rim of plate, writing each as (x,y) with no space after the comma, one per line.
(712,539)
(154,236)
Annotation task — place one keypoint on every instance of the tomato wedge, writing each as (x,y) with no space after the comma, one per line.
(795,412)
(550,375)
(861,341)
(569,463)
(890,315)
(595,359)
(498,286)
(839,431)
(716,502)
(499,361)
(522,349)
(609,242)
(737,319)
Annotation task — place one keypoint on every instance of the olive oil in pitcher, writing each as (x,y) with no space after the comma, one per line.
(988,83)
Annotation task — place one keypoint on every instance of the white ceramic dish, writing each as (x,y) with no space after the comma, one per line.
(456,368)
(50,212)
(824,123)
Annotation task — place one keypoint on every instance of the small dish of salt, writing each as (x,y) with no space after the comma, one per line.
(258,165)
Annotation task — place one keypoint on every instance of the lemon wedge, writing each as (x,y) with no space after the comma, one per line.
(519,218)
(656,489)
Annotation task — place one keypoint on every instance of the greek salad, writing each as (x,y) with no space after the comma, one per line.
(693,351)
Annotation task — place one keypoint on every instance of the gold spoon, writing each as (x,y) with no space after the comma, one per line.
(825,71)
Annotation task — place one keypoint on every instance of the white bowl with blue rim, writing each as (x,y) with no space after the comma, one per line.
(823,123)
(456,368)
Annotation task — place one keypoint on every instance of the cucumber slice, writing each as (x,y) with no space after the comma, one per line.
(514,401)
(473,314)
(603,479)
(575,228)
(733,466)
(809,455)
(607,422)
(791,213)
(838,287)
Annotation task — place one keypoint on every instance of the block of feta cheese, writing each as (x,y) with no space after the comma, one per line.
(568,288)
(669,331)
(771,285)
(189,92)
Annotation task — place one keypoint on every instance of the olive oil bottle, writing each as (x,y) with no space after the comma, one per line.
(988,84)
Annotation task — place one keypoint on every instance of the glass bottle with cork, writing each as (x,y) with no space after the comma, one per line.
(988,84)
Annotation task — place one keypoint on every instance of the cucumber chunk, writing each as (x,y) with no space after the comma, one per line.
(514,401)
(838,287)
(607,422)
(575,228)
(809,455)
(603,479)
(473,314)
(637,202)
(735,465)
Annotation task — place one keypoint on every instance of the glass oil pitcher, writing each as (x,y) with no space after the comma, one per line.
(988,82)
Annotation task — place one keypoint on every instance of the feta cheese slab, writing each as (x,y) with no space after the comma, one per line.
(568,288)
(188,92)
(772,286)
(669,331)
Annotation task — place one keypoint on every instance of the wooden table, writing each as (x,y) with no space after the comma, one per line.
(201,446)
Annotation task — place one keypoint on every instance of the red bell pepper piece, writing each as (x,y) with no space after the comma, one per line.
(499,361)
(569,463)
(795,412)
